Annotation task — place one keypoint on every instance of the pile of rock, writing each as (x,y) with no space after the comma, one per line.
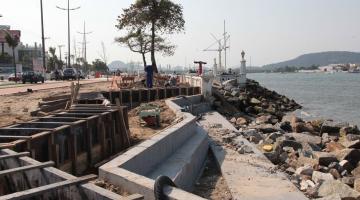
(322,157)
(255,100)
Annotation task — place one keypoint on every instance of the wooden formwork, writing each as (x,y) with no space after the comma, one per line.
(75,139)
(134,97)
(24,178)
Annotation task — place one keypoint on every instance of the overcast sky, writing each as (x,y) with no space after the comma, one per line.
(267,30)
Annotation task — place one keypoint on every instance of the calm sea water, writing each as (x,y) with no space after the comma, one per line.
(329,96)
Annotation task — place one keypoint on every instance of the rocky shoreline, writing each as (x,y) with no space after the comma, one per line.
(321,157)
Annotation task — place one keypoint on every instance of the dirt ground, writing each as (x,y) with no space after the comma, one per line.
(141,132)
(211,184)
(17,107)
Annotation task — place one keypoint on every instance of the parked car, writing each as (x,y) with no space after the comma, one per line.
(12,77)
(81,74)
(32,77)
(69,73)
(56,75)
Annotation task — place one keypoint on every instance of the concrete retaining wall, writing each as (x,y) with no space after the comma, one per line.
(178,152)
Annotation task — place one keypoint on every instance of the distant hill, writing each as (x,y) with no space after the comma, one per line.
(321,59)
(117,64)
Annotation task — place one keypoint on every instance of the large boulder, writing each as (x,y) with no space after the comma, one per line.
(235,93)
(331,197)
(266,128)
(285,126)
(357,184)
(305,170)
(288,143)
(351,155)
(263,119)
(300,127)
(316,124)
(253,133)
(255,101)
(335,187)
(318,177)
(325,158)
(355,144)
(352,137)
(305,138)
(349,130)
(333,147)
(332,127)
(241,121)
(356,172)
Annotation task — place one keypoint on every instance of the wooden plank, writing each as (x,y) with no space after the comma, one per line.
(51,108)
(133,197)
(6,145)
(47,123)
(15,137)
(27,194)
(53,98)
(25,168)
(15,155)
(54,102)
(25,129)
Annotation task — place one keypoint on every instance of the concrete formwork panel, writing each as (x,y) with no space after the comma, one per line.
(134,97)
(19,185)
(74,139)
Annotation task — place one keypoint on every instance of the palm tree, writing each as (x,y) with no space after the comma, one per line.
(12,42)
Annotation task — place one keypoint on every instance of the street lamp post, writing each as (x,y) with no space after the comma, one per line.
(42,36)
(68,15)
(60,46)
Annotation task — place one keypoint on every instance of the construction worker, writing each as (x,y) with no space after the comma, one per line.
(149,76)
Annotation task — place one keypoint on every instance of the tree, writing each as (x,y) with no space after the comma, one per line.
(140,42)
(100,66)
(164,17)
(13,42)
(52,61)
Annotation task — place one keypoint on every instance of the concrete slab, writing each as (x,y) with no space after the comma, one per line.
(249,176)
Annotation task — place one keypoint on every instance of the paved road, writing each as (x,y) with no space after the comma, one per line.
(47,85)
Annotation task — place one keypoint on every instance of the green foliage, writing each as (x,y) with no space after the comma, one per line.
(100,66)
(13,42)
(140,42)
(5,58)
(165,17)
(53,61)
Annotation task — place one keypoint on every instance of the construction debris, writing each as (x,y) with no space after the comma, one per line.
(150,114)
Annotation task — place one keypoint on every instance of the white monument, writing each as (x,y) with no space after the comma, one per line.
(215,71)
(241,79)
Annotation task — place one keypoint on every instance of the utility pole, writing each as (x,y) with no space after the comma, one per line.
(42,36)
(75,53)
(60,46)
(84,33)
(226,37)
(68,15)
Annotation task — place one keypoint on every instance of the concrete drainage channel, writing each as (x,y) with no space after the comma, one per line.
(178,152)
